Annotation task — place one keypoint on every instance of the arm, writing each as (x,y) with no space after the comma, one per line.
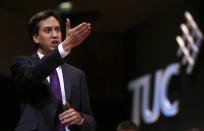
(32,69)
(89,122)
(28,74)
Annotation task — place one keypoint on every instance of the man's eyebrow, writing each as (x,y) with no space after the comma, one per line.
(51,26)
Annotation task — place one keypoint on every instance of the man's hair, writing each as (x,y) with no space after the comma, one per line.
(33,23)
(127,125)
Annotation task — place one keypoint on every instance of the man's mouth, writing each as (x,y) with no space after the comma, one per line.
(55,43)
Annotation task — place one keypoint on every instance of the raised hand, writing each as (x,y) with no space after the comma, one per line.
(76,35)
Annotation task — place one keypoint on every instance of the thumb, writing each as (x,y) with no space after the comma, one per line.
(68,27)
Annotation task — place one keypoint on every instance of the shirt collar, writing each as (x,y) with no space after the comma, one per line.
(40,55)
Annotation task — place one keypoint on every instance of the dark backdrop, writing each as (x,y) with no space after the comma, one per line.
(112,60)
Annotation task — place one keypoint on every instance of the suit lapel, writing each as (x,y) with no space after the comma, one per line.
(51,109)
(35,58)
(67,85)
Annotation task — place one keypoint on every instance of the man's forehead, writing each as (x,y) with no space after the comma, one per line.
(49,22)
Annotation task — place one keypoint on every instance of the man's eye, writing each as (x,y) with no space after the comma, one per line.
(58,29)
(47,30)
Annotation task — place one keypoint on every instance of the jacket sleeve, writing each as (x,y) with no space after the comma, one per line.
(89,123)
(28,73)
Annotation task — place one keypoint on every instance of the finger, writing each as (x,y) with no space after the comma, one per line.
(66,116)
(83,30)
(85,33)
(78,34)
(68,121)
(89,25)
(80,26)
(68,27)
(66,112)
(72,120)
(82,36)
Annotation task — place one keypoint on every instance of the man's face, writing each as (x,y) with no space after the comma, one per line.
(49,35)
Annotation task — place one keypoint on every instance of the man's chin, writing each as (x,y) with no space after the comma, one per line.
(53,47)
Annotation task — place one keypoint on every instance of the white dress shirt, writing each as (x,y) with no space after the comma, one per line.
(63,54)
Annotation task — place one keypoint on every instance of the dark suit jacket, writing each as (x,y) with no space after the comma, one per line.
(39,108)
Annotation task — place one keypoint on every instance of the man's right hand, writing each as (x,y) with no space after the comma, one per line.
(76,35)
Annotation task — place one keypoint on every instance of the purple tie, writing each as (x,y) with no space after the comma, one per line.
(55,86)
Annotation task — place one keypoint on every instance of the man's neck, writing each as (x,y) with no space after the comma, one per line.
(41,51)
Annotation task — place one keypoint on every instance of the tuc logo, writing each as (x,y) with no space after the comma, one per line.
(160,102)
(189,44)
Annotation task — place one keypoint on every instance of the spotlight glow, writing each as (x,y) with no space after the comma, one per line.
(65,6)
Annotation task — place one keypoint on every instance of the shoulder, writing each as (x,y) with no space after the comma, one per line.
(23,59)
(19,59)
(72,69)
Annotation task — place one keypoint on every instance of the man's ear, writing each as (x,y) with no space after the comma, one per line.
(35,39)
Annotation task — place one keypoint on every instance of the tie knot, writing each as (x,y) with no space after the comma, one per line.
(54,72)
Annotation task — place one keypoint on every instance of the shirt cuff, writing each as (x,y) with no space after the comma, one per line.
(62,52)
(81,122)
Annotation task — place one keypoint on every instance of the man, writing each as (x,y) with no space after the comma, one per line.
(193,129)
(58,102)
(126,125)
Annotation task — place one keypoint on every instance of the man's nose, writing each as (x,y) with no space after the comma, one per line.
(54,33)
